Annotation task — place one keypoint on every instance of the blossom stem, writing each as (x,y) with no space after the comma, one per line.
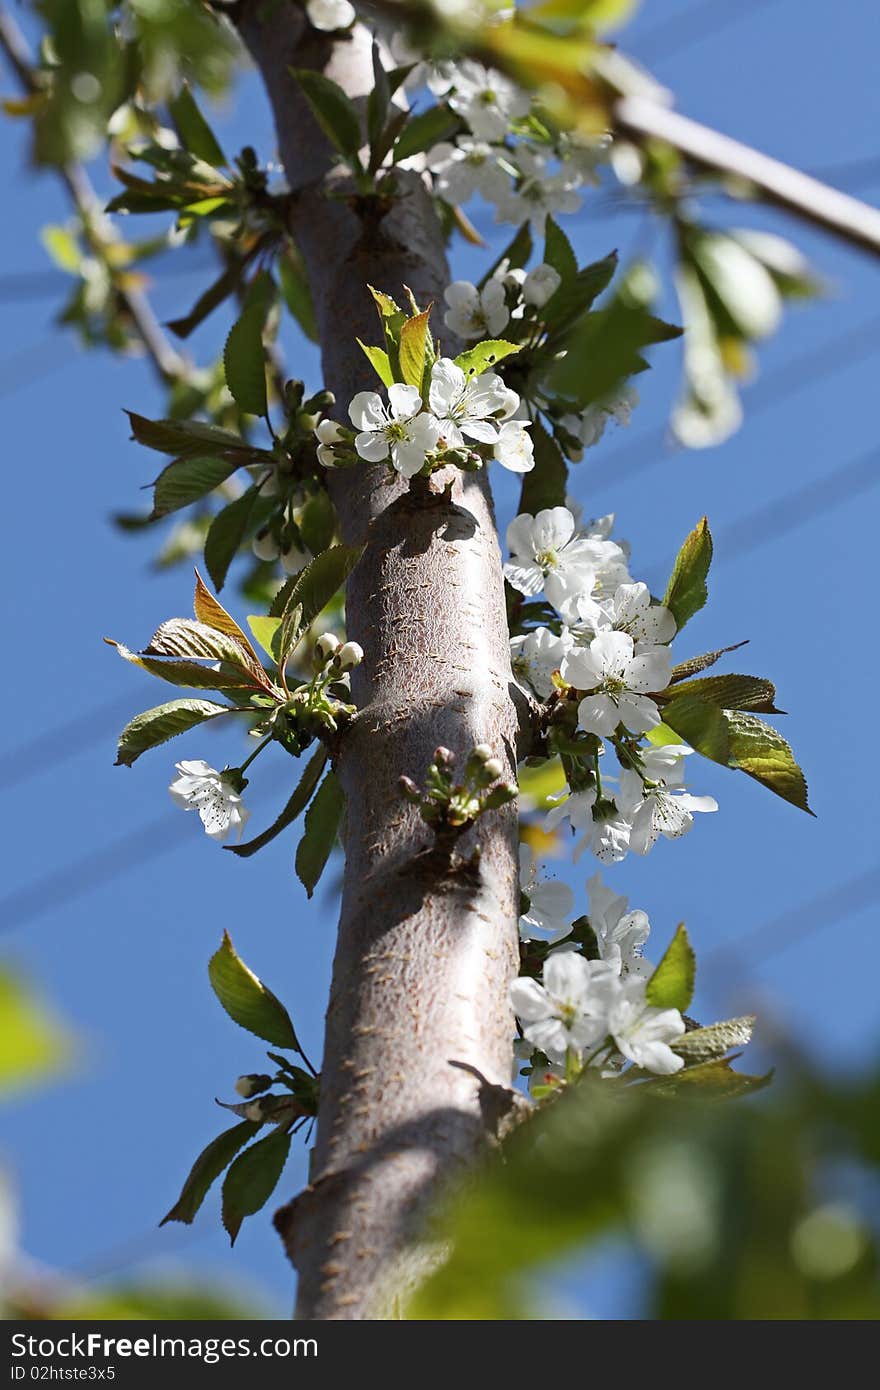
(259,748)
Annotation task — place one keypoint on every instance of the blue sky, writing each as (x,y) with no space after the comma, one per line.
(99,1158)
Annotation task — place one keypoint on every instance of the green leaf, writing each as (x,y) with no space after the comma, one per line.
(186,480)
(215,294)
(577,295)
(686,591)
(189,673)
(701,1044)
(210,611)
(734,692)
(702,725)
(297,295)
(207,1168)
(485,355)
(190,638)
(195,134)
(163,722)
(714,1080)
(332,109)
(252,1179)
(516,254)
(317,522)
(558,252)
(758,750)
(226,533)
(319,837)
(297,803)
(380,362)
(290,632)
(672,984)
(192,439)
(314,587)
(546,484)
(413,346)
(63,247)
(378,100)
(247,1000)
(244,362)
(695,664)
(424,130)
(33,1046)
(266,631)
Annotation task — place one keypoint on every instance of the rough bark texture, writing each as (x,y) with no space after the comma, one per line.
(426,946)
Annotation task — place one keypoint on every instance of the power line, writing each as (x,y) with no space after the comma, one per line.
(631,458)
(60,742)
(21,285)
(701,21)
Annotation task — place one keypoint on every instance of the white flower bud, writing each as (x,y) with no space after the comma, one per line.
(540,284)
(329,432)
(330,15)
(326,646)
(352,654)
(482,753)
(492,770)
(293,560)
(265,546)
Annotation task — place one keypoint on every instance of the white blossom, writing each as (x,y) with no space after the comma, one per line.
(654,805)
(589,427)
(535,656)
(330,15)
(328,433)
(467,168)
(627,609)
(620,934)
(616,679)
(540,285)
(551,903)
(474,313)
(539,192)
(487,101)
(547,553)
(641,1032)
(468,407)
(514,449)
(200,787)
(607,836)
(567,1010)
(396,429)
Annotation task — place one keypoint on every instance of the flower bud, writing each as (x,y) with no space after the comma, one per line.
(294,559)
(351,654)
(265,546)
(444,757)
(252,1084)
(322,400)
(293,394)
(326,646)
(482,753)
(492,770)
(410,790)
(499,796)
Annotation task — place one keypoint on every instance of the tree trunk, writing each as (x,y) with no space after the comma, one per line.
(426,946)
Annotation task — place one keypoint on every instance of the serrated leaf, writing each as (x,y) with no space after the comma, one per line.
(161,723)
(317,522)
(290,632)
(380,362)
(546,485)
(249,1002)
(244,362)
(185,480)
(210,1163)
(734,692)
(413,345)
(297,295)
(695,664)
(558,252)
(332,109)
(378,99)
(686,592)
(252,1179)
(578,295)
(701,724)
(315,586)
(301,797)
(485,355)
(672,984)
(266,631)
(425,130)
(319,836)
(226,533)
(195,134)
(757,749)
(210,611)
(701,1044)
(715,1080)
(190,638)
(191,439)
(188,673)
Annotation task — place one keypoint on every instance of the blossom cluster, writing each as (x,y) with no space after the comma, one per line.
(606,661)
(466,420)
(510,156)
(589,1010)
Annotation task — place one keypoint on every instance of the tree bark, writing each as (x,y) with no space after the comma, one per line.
(427,945)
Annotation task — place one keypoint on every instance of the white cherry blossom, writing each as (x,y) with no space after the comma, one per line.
(328,433)
(514,449)
(607,837)
(468,408)
(467,168)
(200,787)
(474,313)
(397,429)
(547,553)
(627,609)
(551,903)
(535,656)
(656,806)
(641,1032)
(620,934)
(567,1010)
(617,679)
(540,192)
(486,100)
(540,285)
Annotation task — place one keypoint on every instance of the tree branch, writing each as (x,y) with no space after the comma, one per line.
(427,945)
(778,183)
(165,359)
